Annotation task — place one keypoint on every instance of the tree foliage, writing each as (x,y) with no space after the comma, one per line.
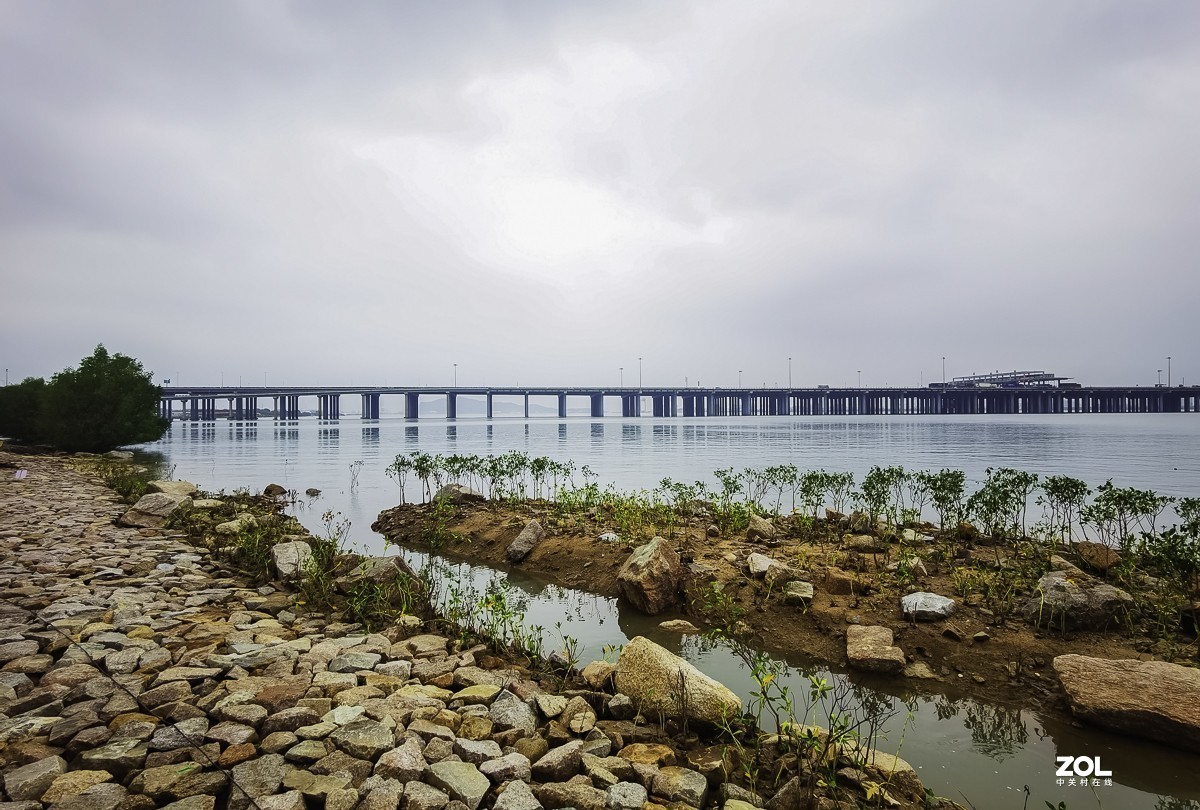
(108,401)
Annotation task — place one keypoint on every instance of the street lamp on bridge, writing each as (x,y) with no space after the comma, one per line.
(639,373)
(1160,378)
(456,375)
(739,378)
(1168,371)
(622,370)
(789,372)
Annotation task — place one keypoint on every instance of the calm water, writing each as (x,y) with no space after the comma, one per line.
(987,752)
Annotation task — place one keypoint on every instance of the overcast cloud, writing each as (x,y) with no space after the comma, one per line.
(352,193)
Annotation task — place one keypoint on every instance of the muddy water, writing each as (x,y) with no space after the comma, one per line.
(961,747)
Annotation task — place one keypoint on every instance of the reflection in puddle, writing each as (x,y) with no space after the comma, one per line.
(960,746)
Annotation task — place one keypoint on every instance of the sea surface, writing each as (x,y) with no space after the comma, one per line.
(967,750)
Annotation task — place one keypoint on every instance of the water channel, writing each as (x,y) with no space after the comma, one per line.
(968,750)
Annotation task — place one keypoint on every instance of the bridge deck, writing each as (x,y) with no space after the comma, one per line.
(200,403)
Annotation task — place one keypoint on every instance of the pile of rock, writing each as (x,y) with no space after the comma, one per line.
(133,676)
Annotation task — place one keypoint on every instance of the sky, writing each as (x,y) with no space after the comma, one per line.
(547,193)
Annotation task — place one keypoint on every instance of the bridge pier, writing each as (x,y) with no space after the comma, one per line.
(488,406)
(451,406)
(329,406)
(412,405)
(597,406)
(527,406)
(370,406)
(562,406)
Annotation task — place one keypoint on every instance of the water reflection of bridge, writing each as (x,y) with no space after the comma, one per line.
(242,403)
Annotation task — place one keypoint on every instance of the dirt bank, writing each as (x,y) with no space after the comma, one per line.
(991,653)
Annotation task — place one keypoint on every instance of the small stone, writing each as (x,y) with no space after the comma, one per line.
(798,593)
(291,800)
(559,764)
(31,781)
(518,796)
(72,783)
(678,626)
(461,780)
(627,796)
(550,706)
(578,716)
(420,796)
(508,767)
(306,752)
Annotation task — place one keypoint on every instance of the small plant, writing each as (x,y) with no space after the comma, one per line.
(436,531)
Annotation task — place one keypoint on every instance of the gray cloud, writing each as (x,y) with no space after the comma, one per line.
(545,192)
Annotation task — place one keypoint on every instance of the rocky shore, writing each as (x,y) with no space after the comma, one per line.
(137,672)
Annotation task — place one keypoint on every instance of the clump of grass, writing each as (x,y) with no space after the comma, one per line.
(128,478)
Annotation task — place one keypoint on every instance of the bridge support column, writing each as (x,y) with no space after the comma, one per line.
(451,406)
(562,406)
(412,405)
(370,406)
(527,406)
(489,406)
(597,406)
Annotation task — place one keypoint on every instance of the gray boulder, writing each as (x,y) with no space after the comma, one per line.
(651,577)
(927,607)
(1065,600)
(760,528)
(526,541)
(291,558)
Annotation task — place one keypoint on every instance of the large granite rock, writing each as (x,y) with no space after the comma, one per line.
(1065,600)
(660,681)
(652,577)
(154,510)
(526,541)
(1151,699)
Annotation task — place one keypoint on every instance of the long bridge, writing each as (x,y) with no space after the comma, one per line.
(200,403)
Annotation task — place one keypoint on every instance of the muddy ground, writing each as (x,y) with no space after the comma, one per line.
(1009,663)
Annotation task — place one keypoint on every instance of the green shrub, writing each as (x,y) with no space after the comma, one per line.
(107,402)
